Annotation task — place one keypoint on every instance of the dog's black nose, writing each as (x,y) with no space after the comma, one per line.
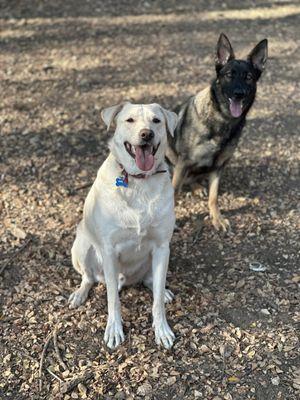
(239,93)
(147,134)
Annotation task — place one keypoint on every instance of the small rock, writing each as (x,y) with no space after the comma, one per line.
(144,389)
(18,232)
(204,349)
(275,381)
(265,311)
(171,381)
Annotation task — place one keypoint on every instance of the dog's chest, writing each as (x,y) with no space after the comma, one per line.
(133,240)
(140,222)
(214,146)
(141,213)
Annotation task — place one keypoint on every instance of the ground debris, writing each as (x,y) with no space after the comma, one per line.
(236,329)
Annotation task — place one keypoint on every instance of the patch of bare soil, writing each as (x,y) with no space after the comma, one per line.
(237,329)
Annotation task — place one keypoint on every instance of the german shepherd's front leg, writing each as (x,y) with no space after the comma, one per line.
(217,220)
(180,171)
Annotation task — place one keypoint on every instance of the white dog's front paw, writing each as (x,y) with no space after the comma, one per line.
(163,334)
(114,334)
(77,298)
(169,296)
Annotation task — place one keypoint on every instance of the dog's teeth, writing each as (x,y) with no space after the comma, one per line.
(133,149)
(128,146)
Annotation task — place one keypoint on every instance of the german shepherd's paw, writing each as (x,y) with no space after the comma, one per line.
(221,223)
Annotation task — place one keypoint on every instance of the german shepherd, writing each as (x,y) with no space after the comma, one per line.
(211,122)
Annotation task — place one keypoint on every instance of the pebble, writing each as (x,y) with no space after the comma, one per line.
(275,381)
(265,311)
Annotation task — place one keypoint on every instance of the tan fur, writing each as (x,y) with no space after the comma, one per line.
(217,220)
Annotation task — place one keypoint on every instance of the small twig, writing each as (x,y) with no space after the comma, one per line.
(78,188)
(84,186)
(68,386)
(55,376)
(42,359)
(57,352)
(14,255)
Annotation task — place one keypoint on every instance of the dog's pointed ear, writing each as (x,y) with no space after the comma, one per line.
(224,52)
(109,114)
(171,120)
(259,55)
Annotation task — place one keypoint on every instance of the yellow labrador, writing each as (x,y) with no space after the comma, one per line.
(128,217)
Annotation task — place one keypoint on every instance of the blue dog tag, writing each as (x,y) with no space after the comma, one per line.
(122,181)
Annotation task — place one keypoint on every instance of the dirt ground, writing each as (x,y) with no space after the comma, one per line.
(237,330)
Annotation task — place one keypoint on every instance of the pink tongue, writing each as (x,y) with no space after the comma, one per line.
(235,108)
(144,158)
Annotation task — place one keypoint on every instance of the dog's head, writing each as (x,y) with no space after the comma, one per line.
(236,79)
(140,139)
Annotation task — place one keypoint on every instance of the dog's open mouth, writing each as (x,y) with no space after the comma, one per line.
(236,107)
(143,155)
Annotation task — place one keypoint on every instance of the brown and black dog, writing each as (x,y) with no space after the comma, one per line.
(211,122)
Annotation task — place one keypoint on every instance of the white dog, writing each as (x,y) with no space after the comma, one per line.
(128,217)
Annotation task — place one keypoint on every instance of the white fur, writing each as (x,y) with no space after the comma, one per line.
(124,235)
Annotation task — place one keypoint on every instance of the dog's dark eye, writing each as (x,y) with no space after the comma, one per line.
(249,77)
(156,120)
(228,75)
(130,120)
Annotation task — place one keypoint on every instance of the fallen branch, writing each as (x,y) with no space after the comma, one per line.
(14,255)
(42,360)
(69,386)
(57,352)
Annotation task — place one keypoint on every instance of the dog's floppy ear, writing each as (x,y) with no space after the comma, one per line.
(224,52)
(259,55)
(171,120)
(109,114)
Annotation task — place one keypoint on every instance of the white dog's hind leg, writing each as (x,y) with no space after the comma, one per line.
(160,261)
(85,261)
(80,295)
(148,282)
